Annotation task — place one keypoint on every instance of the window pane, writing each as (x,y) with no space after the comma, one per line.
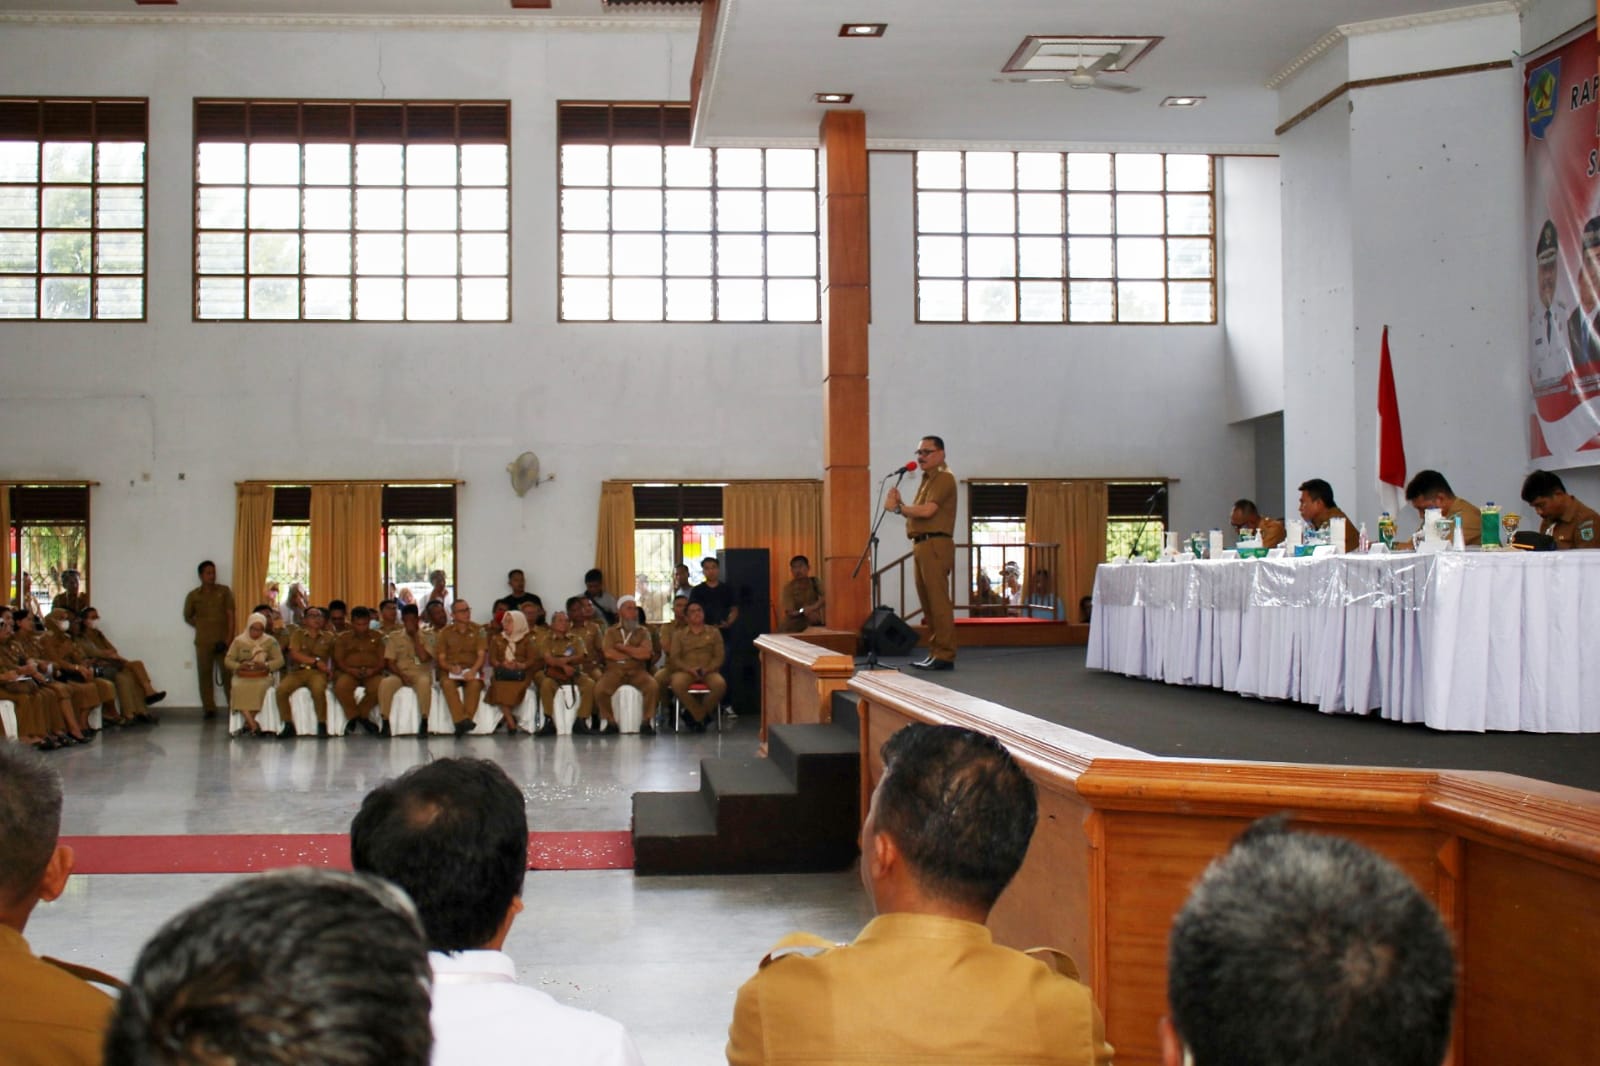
(221,297)
(1139,214)
(1141,301)
(327,209)
(485,164)
(791,257)
(431,164)
(485,209)
(486,299)
(327,253)
(991,257)
(1089,213)
(738,166)
(1090,257)
(67,207)
(636,253)
(790,300)
(938,170)
(380,299)
(991,170)
(119,298)
(19,207)
(1041,301)
(1189,259)
(272,208)
(792,212)
(688,254)
(1139,172)
(379,164)
(430,209)
(221,208)
(1189,215)
(327,164)
(637,300)
(991,212)
(430,253)
(585,164)
(689,209)
(991,301)
(585,209)
(740,301)
(585,253)
(941,257)
(739,255)
(1090,301)
(221,253)
(1039,170)
(939,301)
(119,253)
(1190,302)
(688,299)
(585,298)
(19,298)
(939,212)
(328,298)
(485,253)
(121,162)
(431,299)
(66,298)
(739,210)
(274,298)
(274,253)
(1039,213)
(1088,171)
(221,164)
(19,161)
(69,161)
(1041,257)
(274,164)
(636,209)
(380,208)
(636,164)
(689,167)
(120,207)
(1189,173)
(66,253)
(379,253)
(791,168)
(1141,257)
(19,252)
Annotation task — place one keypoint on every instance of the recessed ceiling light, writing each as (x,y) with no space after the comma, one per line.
(834,98)
(863,29)
(1183,101)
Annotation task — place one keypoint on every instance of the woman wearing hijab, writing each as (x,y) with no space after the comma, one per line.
(252,659)
(511,658)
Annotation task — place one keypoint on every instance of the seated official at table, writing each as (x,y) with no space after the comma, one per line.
(1245,516)
(1564,517)
(1318,510)
(1430,489)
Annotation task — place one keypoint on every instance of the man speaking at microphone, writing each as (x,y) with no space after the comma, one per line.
(930,522)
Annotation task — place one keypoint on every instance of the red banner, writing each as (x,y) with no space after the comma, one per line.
(1561,91)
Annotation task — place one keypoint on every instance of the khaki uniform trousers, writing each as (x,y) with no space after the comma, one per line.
(461,710)
(418,679)
(305,677)
(700,707)
(207,660)
(547,694)
(130,693)
(344,689)
(619,674)
(934,558)
(37,712)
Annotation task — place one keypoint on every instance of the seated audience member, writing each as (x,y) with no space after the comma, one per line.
(627,649)
(296,966)
(72,598)
(513,659)
(1245,516)
(358,655)
(1430,489)
(947,829)
(56,699)
(459,651)
(435,616)
(297,604)
(135,690)
(408,658)
(1011,585)
(36,710)
(715,597)
(533,610)
(58,646)
(565,656)
(800,605)
(388,616)
(252,659)
(453,834)
(1042,599)
(338,617)
(1318,510)
(49,1015)
(663,676)
(309,662)
(1563,517)
(517,582)
(694,657)
(605,604)
(1308,949)
(583,614)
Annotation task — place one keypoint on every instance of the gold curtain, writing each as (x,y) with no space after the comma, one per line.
(1073,515)
(5,541)
(785,517)
(346,543)
(252,544)
(613,541)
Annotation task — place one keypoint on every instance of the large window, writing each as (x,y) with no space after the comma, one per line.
(72,209)
(997,522)
(289,560)
(419,537)
(352,211)
(49,534)
(1136,518)
(1065,237)
(653,230)
(672,524)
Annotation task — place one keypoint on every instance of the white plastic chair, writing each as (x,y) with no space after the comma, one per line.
(565,707)
(529,715)
(628,705)
(267,717)
(405,716)
(8,718)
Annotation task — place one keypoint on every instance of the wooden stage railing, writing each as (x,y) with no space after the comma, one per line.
(798,680)
(1512,863)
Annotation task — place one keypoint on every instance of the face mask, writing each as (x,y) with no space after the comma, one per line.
(91,623)
(62,625)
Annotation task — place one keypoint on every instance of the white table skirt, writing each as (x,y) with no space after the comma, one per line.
(1460,641)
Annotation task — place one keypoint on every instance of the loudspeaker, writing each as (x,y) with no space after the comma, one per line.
(885,632)
(747,571)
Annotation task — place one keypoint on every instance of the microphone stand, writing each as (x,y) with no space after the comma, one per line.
(870,550)
(1149,513)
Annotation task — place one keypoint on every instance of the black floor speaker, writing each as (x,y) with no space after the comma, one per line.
(885,633)
(746,571)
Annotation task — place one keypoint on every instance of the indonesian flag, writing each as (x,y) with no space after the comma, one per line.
(1391,445)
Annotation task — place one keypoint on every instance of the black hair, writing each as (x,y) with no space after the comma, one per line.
(387,603)
(338,605)
(800,559)
(593,574)
(513,573)
(938,442)
(1541,483)
(1319,489)
(201,569)
(30,821)
(1245,505)
(359,613)
(409,610)
(1426,483)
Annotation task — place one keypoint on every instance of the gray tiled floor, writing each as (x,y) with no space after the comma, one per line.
(662,955)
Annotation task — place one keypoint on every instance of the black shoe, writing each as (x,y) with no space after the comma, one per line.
(464,727)
(548,729)
(581,728)
(155,697)
(611,729)
(385,730)
(287,731)
(210,713)
(369,726)
(694,724)
(646,729)
(934,664)
(322,730)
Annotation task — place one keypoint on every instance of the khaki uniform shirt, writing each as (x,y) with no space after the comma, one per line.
(617,637)
(390,627)
(207,610)
(691,651)
(358,648)
(797,594)
(62,650)
(559,646)
(594,638)
(1471,521)
(1578,528)
(47,1016)
(458,646)
(1273,531)
(399,649)
(319,644)
(664,633)
(915,988)
(1352,535)
(938,486)
(73,602)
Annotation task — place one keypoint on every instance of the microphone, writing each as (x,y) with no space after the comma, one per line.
(899,475)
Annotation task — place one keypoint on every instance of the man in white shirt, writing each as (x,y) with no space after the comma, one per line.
(454,834)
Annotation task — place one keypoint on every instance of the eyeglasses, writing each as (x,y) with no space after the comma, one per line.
(926,451)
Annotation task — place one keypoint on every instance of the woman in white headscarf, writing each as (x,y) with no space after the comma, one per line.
(512,657)
(252,659)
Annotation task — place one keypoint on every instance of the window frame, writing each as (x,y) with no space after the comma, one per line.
(1065,278)
(71,132)
(627,123)
(13,534)
(380,128)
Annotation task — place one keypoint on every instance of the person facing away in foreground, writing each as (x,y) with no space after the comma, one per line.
(1306,949)
(947,829)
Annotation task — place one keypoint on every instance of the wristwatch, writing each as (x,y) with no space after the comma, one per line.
(899,508)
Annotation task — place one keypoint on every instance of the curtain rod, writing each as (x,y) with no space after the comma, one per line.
(290,483)
(29,482)
(1119,480)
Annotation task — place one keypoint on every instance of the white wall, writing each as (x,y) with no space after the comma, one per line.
(167,415)
(1251,250)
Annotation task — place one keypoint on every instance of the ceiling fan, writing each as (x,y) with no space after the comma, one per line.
(1085,76)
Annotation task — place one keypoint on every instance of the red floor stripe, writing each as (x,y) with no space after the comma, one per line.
(229,854)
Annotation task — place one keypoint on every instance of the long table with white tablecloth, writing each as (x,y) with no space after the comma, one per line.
(1467,641)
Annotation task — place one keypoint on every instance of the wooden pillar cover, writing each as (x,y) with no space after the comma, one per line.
(846,310)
